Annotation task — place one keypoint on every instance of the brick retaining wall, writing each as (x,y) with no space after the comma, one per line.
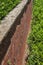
(13,45)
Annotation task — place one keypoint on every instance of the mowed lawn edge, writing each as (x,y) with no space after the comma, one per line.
(6,6)
(35,40)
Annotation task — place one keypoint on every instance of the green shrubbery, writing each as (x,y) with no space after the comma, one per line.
(35,39)
(6,6)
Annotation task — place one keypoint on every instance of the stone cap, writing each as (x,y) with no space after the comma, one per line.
(7,22)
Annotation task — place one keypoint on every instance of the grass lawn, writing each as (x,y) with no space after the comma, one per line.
(35,40)
(6,6)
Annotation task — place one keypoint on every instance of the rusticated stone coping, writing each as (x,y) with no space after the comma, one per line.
(8,21)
